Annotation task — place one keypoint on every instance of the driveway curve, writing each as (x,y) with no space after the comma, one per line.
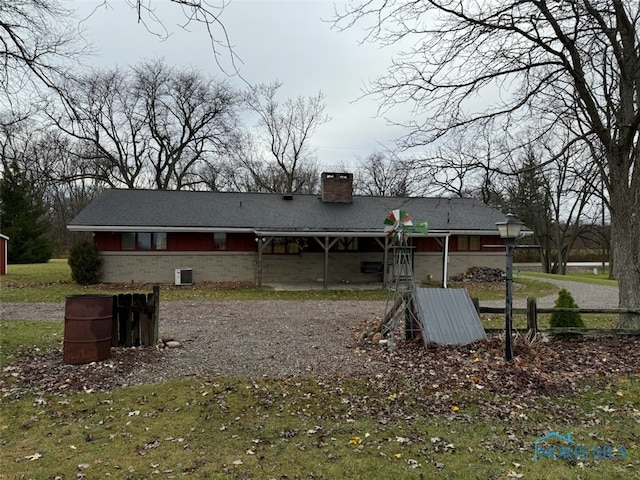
(586,295)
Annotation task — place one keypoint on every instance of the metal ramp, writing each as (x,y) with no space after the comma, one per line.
(448,316)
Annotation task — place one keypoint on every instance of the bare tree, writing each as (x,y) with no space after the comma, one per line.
(543,64)
(385,174)
(205,13)
(39,38)
(45,159)
(108,121)
(280,157)
(553,199)
(466,165)
(150,126)
(191,121)
(37,43)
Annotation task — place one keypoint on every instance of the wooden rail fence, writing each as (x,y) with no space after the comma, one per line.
(532,311)
(135,319)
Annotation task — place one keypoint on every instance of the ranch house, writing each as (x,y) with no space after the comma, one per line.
(159,236)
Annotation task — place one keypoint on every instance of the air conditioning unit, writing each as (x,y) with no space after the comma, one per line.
(184,276)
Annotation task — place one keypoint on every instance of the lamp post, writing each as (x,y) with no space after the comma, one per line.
(509,231)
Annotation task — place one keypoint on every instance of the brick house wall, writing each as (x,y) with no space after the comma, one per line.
(159,267)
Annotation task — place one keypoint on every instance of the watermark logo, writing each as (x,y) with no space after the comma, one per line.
(554,446)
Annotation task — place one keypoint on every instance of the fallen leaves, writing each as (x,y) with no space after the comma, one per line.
(412,382)
(45,373)
(542,370)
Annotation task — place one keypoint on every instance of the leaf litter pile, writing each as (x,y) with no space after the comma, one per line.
(417,380)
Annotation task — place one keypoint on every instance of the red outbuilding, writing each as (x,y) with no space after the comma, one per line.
(4,244)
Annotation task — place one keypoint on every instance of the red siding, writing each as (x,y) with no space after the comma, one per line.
(428,244)
(241,242)
(107,241)
(189,242)
(494,240)
(182,242)
(484,241)
(245,242)
(3,255)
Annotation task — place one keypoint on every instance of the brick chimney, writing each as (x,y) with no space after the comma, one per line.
(337,187)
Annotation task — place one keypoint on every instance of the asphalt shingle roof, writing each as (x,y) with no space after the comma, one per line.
(186,210)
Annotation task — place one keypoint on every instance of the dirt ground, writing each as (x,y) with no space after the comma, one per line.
(322,339)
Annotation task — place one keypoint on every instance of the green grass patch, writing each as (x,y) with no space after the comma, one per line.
(19,338)
(305,428)
(600,279)
(51,282)
(202,293)
(224,427)
(55,271)
(592,321)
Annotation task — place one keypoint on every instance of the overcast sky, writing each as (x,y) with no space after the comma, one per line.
(275,40)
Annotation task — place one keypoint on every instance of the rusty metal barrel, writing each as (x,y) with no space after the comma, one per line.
(87,328)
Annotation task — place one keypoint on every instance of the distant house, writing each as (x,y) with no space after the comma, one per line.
(153,235)
(4,252)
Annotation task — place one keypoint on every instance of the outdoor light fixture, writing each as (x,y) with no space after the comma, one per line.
(509,230)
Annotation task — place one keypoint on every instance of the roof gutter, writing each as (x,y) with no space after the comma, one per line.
(337,233)
(266,233)
(159,228)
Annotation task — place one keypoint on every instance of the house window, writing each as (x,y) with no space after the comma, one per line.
(347,244)
(285,245)
(219,241)
(128,241)
(160,241)
(144,241)
(468,243)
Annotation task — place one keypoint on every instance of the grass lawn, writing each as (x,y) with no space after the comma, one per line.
(322,428)
(51,282)
(327,428)
(600,279)
(300,428)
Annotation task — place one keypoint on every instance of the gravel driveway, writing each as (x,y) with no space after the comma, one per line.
(253,338)
(586,295)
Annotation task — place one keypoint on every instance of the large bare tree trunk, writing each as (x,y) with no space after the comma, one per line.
(625,240)
(569,66)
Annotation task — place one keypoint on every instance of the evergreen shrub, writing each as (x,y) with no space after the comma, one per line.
(86,263)
(566,319)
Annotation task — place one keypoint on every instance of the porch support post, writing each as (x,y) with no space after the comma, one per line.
(385,260)
(326,263)
(262,243)
(326,245)
(383,245)
(259,279)
(445,262)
